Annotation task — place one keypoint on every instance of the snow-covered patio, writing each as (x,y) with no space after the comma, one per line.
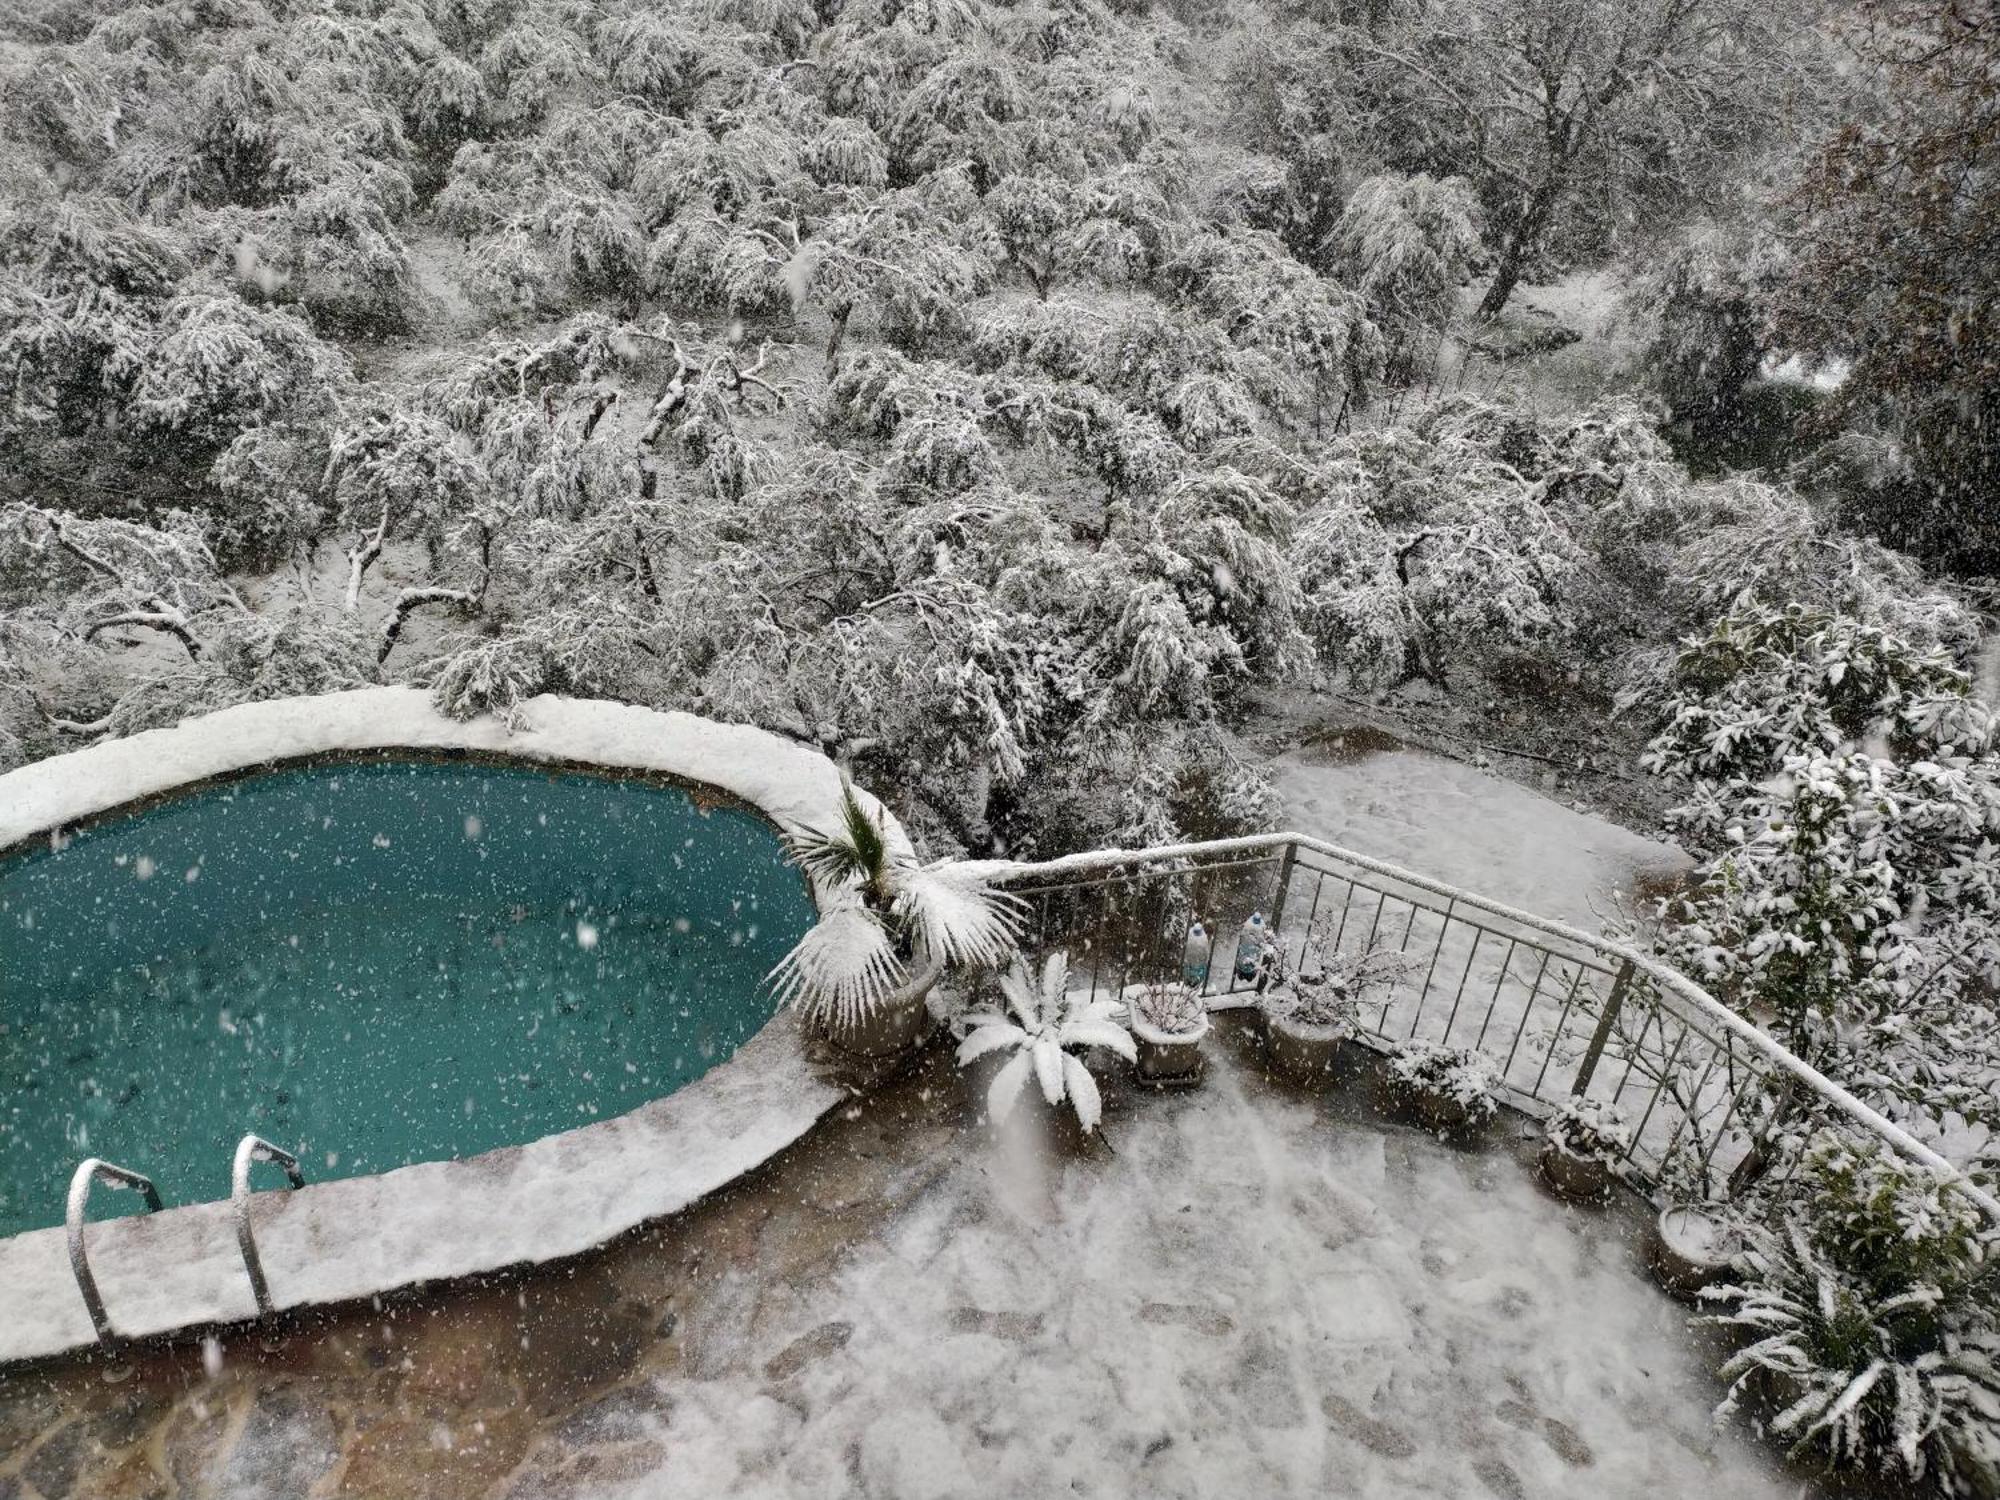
(1256,1291)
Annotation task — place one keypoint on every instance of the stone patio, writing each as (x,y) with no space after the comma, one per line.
(1251,1290)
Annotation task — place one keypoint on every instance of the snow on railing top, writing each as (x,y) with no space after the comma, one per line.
(1675,984)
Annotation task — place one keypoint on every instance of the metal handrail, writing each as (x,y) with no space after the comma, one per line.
(254,1148)
(89,1171)
(1676,985)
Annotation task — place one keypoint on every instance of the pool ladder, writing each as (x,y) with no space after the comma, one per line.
(93,1170)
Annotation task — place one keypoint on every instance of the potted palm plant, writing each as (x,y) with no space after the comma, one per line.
(1045,1026)
(1586,1139)
(1309,1009)
(1448,1089)
(1168,1024)
(888,928)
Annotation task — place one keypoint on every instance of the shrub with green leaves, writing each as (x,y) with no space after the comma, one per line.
(1871,1323)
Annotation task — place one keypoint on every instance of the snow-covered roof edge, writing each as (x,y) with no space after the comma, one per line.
(789,783)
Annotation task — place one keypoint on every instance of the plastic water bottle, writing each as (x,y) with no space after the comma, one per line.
(1250,946)
(1194,958)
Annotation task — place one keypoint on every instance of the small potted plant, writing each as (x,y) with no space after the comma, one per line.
(1448,1089)
(888,929)
(1586,1139)
(1168,1024)
(1310,1009)
(1044,1031)
(1693,1247)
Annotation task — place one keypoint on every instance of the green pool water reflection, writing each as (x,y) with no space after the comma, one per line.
(371,964)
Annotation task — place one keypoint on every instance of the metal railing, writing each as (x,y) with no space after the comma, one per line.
(90,1171)
(251,1149)
(1560,1012)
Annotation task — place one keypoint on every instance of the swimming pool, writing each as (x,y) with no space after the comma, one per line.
(373,963)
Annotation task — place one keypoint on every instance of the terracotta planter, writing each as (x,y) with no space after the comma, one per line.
(899,1025)
(1690,1248)
(1580,1179)
(1166,1057)
(1299,1052)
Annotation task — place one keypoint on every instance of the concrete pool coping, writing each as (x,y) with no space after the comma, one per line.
(332,1242)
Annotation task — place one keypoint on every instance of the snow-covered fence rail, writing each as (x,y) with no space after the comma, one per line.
(1561,1011)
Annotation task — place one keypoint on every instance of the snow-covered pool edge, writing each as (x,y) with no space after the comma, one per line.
(435,1221)
(789,783)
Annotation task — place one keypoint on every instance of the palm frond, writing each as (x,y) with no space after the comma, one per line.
(1100,1033)
(844,967)
(1083,1095)
(1048,1055)
(989,1034)
(1055,981)
(958,917)
(855,853)
(1017,985)
(1005,1091)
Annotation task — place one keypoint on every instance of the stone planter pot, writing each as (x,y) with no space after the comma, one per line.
(899,1025)
(1443,1115)
(1298,1051)
(1169,1058)
(1572,1176)
(1690,1248)
(1448,1116)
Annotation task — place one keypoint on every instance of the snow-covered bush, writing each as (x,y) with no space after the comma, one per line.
(1045,1025)
(1424,555)
(1464,1077)
(1767,684)
(1324,988)
(1405,243)
(884,919)
(1591,1129)
(1872,1321)
(1168,1008)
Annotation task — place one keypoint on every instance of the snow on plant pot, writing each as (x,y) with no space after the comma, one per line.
(1168,1024)
(1448,1089)
(1310,1009)
(1692,1248)
(1045,1026)
(1586,1139)
(1304,1026)
(888,928)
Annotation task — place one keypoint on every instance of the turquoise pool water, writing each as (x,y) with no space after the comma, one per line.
(372,964)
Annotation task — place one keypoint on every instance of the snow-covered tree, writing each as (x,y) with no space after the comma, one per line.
(1406,245)
(1897,254)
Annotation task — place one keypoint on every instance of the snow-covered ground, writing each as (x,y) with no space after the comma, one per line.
(1256,1295)
(1261,1292)
(1457,823)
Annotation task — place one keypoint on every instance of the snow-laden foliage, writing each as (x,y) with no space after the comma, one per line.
(1170,1009)
(1591,1129)
(1870,1323)
(1425,550)
(1462,1075)
(1769,683)
(887,919)
(1045,1025)
(1405,243)
(1324,986)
